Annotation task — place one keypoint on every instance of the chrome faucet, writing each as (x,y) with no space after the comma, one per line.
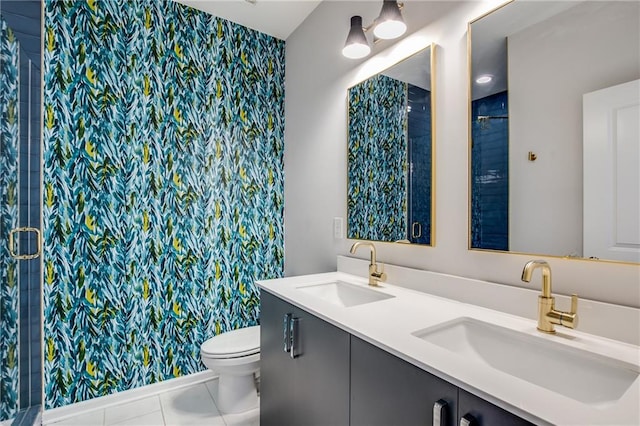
(547,314)
(375,276)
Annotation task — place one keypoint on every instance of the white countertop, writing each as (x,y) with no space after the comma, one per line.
(388,324)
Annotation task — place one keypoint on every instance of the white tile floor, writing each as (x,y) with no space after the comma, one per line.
(193,405)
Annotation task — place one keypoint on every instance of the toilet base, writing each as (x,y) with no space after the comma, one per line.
(236,394)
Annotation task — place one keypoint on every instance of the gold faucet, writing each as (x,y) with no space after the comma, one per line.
(375,276)
(547,314)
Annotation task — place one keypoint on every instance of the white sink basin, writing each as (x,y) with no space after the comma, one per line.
(574,373)
(344,294)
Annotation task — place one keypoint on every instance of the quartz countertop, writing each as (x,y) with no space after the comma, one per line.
(389,324)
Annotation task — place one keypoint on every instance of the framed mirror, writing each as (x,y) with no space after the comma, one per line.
(390,154)
(554,133)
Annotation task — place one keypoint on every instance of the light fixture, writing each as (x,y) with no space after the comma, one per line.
(388,25)
(356,45)
(484,79)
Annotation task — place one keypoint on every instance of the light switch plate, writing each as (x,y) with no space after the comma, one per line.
(337,228)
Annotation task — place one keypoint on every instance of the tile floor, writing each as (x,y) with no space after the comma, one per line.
(193,405)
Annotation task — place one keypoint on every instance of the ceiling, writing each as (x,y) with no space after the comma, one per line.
(415,70)
(278,18)
(489,40)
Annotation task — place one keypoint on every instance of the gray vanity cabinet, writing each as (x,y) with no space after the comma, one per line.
(309,386)
(386,390)
(474,411)
(330,377)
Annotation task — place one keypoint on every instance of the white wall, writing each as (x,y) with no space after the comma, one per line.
(545,196)
(315,153)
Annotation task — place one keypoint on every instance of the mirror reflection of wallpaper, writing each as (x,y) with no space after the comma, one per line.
(163,189)
(377,160)
(9,141)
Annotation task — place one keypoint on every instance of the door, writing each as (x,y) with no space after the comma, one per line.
(612,173)
(20,85)
(420,164)
(9,143)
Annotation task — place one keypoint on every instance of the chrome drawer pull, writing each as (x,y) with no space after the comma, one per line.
(286,332)
(294,337)
(440,412)
(468,420)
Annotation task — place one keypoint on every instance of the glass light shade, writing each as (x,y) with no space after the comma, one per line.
(356,45)
(356,51)
(390,23)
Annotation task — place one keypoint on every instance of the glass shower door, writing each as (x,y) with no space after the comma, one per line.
(419,152)
(9,291)
(20,207)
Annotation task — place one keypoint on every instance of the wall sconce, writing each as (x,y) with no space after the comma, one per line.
(388,25)
(356,45)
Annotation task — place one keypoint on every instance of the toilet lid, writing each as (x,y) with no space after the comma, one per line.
(232,344)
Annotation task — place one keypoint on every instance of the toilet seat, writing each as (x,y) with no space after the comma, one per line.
(233,344)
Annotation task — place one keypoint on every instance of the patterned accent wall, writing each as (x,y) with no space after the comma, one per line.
(163,189)
(9,142)
(377,160)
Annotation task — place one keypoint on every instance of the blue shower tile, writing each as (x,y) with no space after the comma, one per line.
(490,174)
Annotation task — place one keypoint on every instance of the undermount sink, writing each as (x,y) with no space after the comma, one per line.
(581,375)
(344,294)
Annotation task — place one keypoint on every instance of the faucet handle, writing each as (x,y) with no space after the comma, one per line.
(380,275)
(570,319)
(574,303)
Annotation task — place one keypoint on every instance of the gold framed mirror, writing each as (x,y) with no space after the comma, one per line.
(390,151)
(546,81)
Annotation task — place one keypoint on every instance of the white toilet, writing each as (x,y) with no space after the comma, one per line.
(235,357)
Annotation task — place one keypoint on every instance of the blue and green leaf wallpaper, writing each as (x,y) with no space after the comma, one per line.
(163,189)
(9,143)
(377,160)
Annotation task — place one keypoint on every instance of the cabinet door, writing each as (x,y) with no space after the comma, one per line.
(312,388)
(478,412)
(277,393)
(322,373)
(386,390)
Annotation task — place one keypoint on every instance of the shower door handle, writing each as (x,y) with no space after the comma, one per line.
(12,243)
(416,230)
